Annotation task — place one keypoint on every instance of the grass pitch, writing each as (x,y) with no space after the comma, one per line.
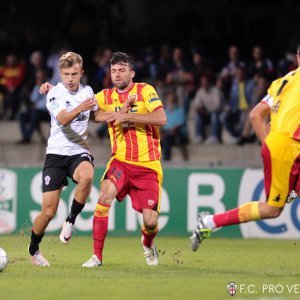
(261,269)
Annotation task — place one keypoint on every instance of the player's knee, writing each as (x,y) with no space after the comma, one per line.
(272,212)
(150,224)
(48,215)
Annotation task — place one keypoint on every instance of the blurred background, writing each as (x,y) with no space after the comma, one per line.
(195,53)
(210,62)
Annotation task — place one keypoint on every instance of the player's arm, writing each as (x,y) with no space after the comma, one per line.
(66,117)
(98,116)
(155,118)
(258,120)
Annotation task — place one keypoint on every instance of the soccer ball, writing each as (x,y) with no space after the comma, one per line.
(3,259)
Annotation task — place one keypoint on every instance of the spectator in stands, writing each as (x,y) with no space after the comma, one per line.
(235,113)
(208,105)
(229,69)
(11,79)
(174,133)
(180,78)
(259,63)
(31,119)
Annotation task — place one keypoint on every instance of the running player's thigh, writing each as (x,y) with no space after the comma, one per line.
(84,170)
(278,164)
(51,201)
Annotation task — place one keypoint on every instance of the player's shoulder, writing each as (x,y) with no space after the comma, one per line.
(88,90)
(57,90)
(104,92)
(144,86)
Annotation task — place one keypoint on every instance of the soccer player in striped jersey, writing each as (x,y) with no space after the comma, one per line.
(134,113)
(280,152)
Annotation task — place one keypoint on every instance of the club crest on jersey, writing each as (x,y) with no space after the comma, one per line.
(47,180)
(231,287)
(150,202)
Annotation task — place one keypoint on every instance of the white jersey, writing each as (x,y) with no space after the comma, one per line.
(72,138)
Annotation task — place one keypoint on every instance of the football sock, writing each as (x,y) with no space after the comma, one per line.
(76,209)
(245,213)
(34,242)
(148,235)
(100,226)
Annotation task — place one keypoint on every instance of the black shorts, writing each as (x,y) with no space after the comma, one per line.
(58,167)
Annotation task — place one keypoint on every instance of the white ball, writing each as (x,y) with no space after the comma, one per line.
(3,259)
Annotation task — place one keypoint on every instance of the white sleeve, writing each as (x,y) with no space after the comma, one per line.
(54,102)
(268,100)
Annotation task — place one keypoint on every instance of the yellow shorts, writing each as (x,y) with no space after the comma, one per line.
(281,157)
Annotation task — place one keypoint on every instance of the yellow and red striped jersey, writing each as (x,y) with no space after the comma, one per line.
(285,105)
(132,142)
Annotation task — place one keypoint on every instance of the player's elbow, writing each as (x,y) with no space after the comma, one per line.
(253,116)
(163,121)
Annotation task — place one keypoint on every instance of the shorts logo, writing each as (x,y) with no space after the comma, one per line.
(47,180)
(231,287)
(150,202)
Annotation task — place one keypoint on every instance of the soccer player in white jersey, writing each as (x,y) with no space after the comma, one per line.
(67,155)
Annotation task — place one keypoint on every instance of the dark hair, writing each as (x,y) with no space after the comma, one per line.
(298,50)
(123,58)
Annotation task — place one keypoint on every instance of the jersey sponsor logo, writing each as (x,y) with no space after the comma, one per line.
(150,202)
(153,97)
(47,179)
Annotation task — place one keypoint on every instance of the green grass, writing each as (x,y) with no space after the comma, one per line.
(182,274)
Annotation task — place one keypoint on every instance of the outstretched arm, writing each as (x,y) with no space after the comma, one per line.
(65,117)
(156,118)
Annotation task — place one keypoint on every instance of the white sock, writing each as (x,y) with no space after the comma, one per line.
(208,222)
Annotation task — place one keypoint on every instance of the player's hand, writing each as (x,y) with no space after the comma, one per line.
(116,117)
(87,104)
(128,103)
(45,88)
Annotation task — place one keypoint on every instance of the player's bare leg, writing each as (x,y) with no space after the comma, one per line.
(49,208)
(83,175)
(149,231)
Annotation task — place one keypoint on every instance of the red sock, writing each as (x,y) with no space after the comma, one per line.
(148,236)
(229,217)
(100,227)
(245,213)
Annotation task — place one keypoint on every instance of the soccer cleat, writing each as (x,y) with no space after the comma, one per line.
(39,260)
(93,262)
(66,232)
(200,233)
(151,254)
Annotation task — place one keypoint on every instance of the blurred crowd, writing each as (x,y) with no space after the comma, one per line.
(202,98)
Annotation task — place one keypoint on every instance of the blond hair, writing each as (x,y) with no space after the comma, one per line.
(69,59)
